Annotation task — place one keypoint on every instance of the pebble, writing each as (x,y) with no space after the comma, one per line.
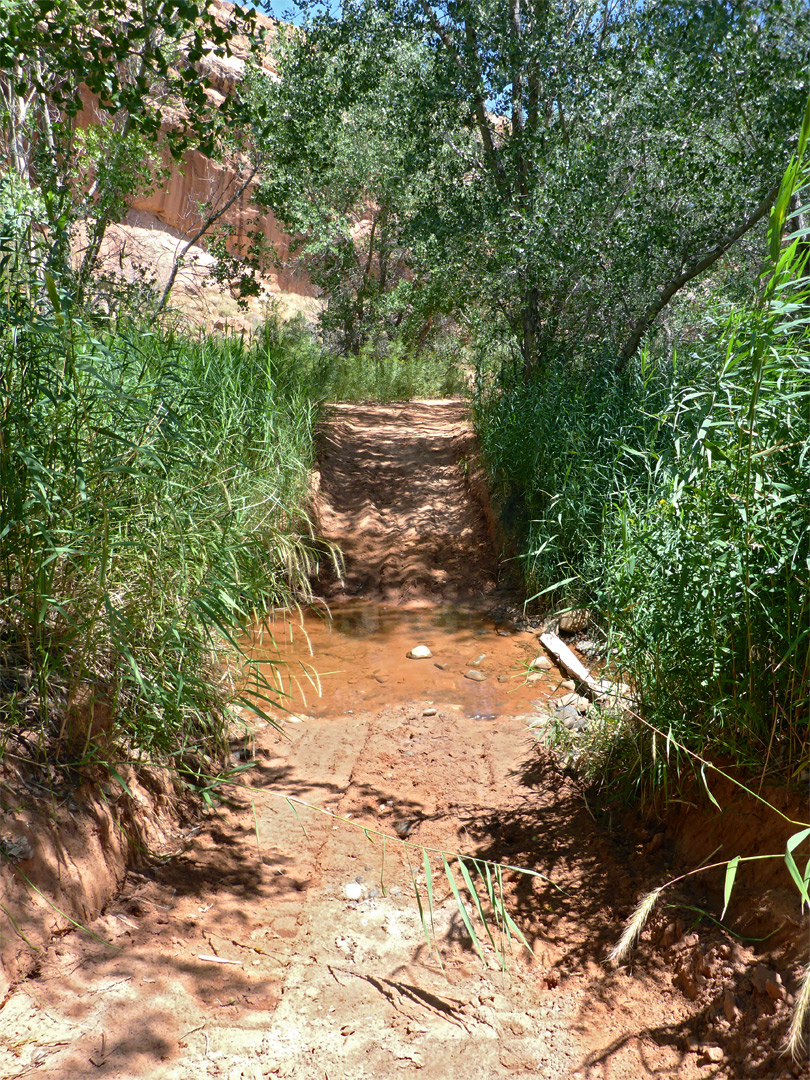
(568,684)
(479,659)
(583,704)
(566,699)
(353,890)
(714,1053)
(570,718)
(430,712)
(475,676)
(420,652)
(442,667)
(541,663)
(503,678)
(533,677)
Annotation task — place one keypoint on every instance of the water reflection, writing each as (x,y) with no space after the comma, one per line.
(357,660)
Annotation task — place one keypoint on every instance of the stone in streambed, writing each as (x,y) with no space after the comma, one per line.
(541,663)
(571,719)
(475,676)
(420,652)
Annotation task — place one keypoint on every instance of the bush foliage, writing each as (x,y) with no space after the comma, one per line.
(674,498)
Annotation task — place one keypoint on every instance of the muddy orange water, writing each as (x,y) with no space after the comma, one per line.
(359,659)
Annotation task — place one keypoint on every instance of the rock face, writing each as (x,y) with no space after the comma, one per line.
(160,222)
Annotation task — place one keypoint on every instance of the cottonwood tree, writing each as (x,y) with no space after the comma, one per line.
(355,140)
(616,150)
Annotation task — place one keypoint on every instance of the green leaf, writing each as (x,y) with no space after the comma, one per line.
(706,786)
(731,874)
(462,910)
(802,881)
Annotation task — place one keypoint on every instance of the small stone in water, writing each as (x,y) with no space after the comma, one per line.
(475,676)
(420,652)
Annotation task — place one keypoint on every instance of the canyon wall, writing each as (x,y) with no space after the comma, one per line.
(161,221)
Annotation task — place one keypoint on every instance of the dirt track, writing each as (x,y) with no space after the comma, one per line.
(328,974)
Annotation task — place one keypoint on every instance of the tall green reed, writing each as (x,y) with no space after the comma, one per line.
(152,493)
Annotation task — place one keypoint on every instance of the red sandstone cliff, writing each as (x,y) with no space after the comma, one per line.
(160,222)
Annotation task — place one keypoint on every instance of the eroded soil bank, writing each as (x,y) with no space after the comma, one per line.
(286,942)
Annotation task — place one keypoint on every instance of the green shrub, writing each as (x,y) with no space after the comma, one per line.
(674,499)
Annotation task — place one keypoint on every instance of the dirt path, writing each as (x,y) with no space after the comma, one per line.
(325,969)
(395,497)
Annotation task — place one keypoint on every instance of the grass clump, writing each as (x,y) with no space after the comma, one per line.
(152,492)
(383,372)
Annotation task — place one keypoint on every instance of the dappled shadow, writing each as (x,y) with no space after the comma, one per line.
(551,832)
(393,496)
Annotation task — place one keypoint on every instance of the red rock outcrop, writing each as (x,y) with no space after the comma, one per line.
(161,221)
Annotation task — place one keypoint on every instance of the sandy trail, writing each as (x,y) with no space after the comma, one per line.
(327,972)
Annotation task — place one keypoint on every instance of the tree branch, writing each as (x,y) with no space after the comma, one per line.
(688,274)
(477,104)
(212,219)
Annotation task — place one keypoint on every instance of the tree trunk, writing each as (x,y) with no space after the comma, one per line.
(530,319)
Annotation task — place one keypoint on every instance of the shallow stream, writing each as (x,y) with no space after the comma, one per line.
(358,660)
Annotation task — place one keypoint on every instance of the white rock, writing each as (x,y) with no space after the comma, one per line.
(475,675)
(353,891)
(420,652)
(571,622)
(541,663)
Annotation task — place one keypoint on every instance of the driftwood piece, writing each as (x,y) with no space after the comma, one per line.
(566,659)
(597,689)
